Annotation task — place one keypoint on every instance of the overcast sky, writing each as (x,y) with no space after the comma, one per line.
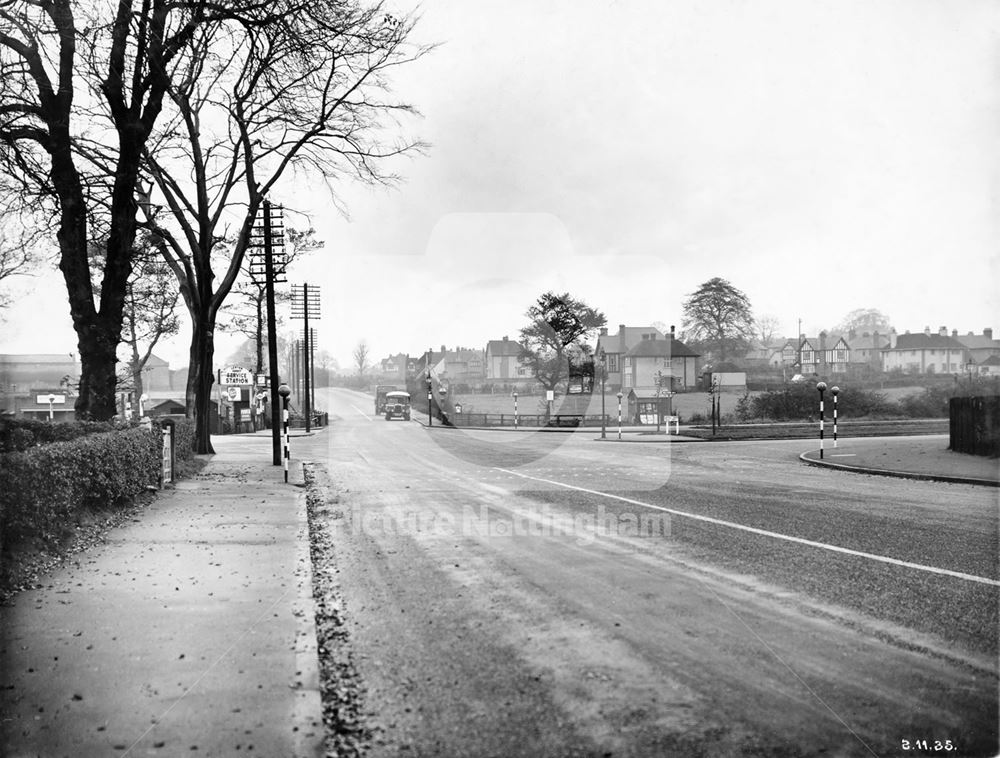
(821,156)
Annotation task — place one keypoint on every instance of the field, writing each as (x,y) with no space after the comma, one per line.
(686,404)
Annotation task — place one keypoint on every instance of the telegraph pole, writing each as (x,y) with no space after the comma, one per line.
(305,304)
(271,237)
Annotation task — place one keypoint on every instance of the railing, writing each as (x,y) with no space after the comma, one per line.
(539,420)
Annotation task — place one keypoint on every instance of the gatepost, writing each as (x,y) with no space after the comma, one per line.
(168,453)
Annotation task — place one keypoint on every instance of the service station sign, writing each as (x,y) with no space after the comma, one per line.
(235,376)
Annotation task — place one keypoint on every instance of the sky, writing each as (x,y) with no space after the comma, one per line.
(822,156)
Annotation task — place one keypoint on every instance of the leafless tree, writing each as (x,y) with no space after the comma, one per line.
(304,93)
(767,328)
(361,357)
(82,86)
(245,314)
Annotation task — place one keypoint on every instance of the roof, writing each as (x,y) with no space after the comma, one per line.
(503,347)
(665,348)
(993,360)
(923,341)
(647,392)
(633,336)
(974,341)
(829,342)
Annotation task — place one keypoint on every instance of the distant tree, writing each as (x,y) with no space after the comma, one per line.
(719,316)
(863,320)
(245,312)
(558,324)
(20,246)
(767,328)
(150,311)
(361,357)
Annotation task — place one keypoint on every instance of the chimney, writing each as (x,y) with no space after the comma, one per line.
(444,349)
(988,333)
(505,338)
(852,333)
(927,331)
(622,349)
(954,332)
(604,332)
(943,331)
(672,337)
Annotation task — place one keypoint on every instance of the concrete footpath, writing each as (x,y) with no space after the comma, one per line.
(189,632)
(926,457)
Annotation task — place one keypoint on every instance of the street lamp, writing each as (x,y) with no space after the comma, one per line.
(821,386)
(430,397)
(969,368)
(835,390)
(604,370)
(284,391)
(619,416)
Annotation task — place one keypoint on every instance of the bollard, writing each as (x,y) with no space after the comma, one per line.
(821,386)
(835,391)
(284,390)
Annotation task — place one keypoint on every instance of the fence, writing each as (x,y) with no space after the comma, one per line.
(560,420)
(974,425)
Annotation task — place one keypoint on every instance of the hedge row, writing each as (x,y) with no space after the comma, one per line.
(44,487)
(21,434)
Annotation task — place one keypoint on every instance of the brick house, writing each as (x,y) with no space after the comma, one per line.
(925,353)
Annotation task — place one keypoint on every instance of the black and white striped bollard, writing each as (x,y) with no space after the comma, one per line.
(835,391)
(821,386)
(515,410)
(284,390)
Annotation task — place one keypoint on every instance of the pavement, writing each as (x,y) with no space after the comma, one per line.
(925,457)
(190,631)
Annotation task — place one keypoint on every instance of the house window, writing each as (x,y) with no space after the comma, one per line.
(807,356)
(841,356)
(613,363)
(627,363)
(521,371)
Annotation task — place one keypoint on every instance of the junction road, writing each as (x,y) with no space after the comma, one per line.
(533,593)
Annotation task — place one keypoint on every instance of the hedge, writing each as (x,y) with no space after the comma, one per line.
(21,434)
(46,486)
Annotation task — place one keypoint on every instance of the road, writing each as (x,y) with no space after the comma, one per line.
(532,593)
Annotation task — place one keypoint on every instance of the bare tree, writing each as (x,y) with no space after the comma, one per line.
(361,357)
(245,315)
(82,87)
(150,311)
(767,328)
(304,92)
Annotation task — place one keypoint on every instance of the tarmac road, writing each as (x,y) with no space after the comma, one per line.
(500,602)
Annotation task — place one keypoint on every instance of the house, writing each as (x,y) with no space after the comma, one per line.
(462,364)
(394,367)
(666,362)
(979,347)
(616,346)
(27,380)
(989,366)
(502,362)
(925,353)
(866,349)
(824,354)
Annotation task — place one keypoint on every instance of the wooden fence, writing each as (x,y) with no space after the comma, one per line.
(974,425)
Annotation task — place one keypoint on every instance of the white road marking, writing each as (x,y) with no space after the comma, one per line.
(843,455)
(766,533)
(370,418)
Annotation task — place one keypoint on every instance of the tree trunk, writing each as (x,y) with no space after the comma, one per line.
(200,379)
(98,349)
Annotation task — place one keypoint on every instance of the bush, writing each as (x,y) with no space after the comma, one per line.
(800,402)
(931,403)
(45,487)
(21,434)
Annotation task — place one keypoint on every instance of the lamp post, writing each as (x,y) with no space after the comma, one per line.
(619,416)
(969,368)
(604,366)
(821,386)
(284,391)
(835,391)
(515,410)
(430,397)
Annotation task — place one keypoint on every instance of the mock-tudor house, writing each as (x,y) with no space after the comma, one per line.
(394,367)
(502,362)
(979,347)
(925,353)
(824,354)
